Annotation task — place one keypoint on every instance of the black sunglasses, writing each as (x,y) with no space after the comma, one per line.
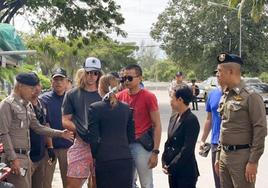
(127,78)
(95,73)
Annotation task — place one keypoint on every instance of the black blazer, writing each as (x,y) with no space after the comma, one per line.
(179,151)
(111,130)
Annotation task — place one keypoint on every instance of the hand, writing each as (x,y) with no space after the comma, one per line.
(217,167)
(51,154)
(15,167)
(251,172)
(165,169)
(153,160)
(201,145)
(68,135)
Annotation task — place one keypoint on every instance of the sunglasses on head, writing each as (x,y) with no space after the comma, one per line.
(127,78)
(95,73)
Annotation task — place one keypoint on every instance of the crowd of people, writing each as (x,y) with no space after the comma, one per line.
(107,130)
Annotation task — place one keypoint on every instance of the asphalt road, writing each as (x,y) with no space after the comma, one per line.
(206,178)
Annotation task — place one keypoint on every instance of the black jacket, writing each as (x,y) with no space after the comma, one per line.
(179,151)
(111,131)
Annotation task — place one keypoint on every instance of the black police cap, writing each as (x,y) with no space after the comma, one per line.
(59,72)
(229,58)
(30,79)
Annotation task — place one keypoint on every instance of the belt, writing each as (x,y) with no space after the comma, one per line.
(234,147)
(21,151)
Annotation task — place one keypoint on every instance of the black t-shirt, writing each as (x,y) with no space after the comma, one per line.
(77,102)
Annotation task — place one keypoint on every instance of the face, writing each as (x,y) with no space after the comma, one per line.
(59,84)
(132,80)
(37,91)
(91,77)
(26,92)
(174,102)
(222,75)
(179,78)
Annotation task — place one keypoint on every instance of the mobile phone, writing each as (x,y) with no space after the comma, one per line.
(23,171)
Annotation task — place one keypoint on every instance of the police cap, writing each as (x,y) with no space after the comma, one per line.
(229,58)
(30,79)
(59,72)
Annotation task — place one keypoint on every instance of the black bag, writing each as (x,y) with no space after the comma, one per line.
(197,91)
(146,140)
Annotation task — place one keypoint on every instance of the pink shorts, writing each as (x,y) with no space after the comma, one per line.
(80,161)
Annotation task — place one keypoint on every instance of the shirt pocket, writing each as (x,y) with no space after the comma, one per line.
(19,121)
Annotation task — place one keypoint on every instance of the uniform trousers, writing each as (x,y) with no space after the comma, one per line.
(232,169)
(19,180)
(38,172)
(115,173)
(61,156)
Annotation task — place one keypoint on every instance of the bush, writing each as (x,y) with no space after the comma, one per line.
(264,77)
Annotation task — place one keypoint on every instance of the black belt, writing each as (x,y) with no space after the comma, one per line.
(234,147)
(21,151)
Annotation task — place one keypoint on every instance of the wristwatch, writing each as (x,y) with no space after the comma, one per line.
(155,151)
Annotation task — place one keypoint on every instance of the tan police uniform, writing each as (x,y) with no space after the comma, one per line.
(242,137)
(16,119)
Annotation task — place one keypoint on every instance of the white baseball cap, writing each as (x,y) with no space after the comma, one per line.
(92,63)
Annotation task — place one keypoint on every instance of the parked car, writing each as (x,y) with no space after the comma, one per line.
(252,80)
(206,86)
(262,89)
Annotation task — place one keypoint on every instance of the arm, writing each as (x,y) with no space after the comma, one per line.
(155,117)
(190,138)
(257,117)
(206,130)
(5,122)
(67,122)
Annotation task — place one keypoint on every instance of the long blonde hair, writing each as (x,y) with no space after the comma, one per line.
(80,78)
(106,83)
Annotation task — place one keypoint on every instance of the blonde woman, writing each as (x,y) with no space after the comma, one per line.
(74,111)
(111,131)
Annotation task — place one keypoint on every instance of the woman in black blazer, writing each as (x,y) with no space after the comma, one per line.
(111,130)
(178,159)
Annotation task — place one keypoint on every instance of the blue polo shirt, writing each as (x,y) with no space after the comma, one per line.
(212,107)
(52,102)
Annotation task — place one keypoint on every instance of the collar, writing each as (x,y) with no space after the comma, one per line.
(237,89)
(19,100)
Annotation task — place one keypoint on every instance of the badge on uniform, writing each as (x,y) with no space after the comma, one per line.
(238,98)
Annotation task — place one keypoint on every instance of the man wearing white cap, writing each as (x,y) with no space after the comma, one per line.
(74,111)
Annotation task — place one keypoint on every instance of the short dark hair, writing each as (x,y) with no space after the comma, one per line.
(136,67)
(185,93)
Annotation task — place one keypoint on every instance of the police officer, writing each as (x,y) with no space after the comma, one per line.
(243,127)
(16,119)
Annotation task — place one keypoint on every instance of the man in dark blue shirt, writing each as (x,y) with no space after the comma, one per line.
(53,101)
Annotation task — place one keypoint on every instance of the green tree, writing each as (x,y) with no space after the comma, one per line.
(257,10)
(55,52)
(74,17)
(192,33)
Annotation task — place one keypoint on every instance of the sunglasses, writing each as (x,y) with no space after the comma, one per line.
(95,73)
(127,78)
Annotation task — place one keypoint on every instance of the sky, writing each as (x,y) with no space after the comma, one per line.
(139,16)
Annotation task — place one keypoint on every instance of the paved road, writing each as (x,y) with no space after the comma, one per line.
(206,179)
